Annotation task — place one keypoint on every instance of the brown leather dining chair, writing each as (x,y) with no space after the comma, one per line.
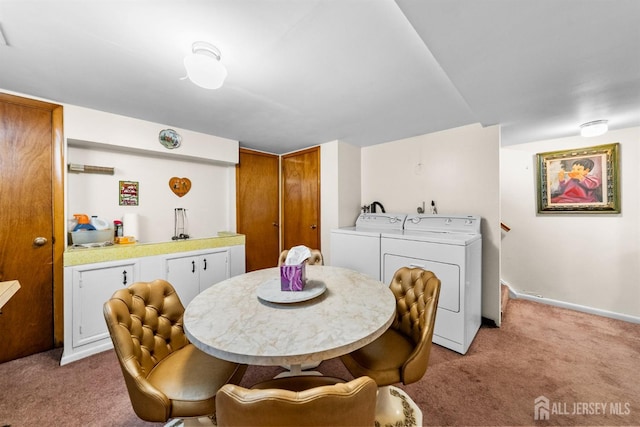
(166,376)
(401,353)
(288,402)
(314,259)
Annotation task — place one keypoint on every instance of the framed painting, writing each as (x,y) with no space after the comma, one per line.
(583,180)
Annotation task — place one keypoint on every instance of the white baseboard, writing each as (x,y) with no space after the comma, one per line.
(583,308)
(73,354)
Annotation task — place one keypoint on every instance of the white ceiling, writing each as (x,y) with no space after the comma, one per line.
(361,71)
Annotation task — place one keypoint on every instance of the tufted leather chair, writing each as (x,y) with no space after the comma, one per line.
(342,404)
(166,376)
(401,353)
(314,259)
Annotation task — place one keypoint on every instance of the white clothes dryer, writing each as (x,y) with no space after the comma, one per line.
(358,247)
(450,247)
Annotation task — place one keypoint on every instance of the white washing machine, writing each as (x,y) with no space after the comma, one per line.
(358,247)
(450,247)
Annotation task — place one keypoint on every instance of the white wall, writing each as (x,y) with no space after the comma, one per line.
(349,191)
(206,203)
(135,135)
(329,201)
(590,260)
(131,146)
(459,170)
(339,189)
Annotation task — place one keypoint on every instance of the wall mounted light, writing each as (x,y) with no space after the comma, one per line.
(204,67)
(595,128)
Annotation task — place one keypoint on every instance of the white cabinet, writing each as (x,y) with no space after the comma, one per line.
(195,272)
(87,287)
(237,260)
(215,269)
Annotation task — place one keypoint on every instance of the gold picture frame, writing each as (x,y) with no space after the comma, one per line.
(582,180)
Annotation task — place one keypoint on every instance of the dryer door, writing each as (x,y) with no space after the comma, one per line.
(449,275)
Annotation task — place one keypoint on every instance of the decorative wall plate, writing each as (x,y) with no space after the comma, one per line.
(169,138)
(180,186)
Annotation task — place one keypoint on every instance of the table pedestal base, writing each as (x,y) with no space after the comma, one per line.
(395,407)
(295,370)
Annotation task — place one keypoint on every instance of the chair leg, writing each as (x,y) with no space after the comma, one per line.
(395,407)
(192,422)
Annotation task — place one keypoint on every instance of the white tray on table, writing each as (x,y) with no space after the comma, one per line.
(270,291)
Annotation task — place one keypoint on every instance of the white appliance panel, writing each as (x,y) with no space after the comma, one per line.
(449,275)
(358,247)
(380,222)
(460,239)
(356,251)
(443,223)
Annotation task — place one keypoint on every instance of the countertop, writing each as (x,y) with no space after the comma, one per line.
(78,256)
(7,290)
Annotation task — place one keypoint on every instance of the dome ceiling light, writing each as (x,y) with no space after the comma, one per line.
(204,67)
(595,128)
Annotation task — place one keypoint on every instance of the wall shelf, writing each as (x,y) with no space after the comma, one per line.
(77,168)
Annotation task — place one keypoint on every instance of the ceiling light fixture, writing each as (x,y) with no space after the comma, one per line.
(595,128)
(204,67)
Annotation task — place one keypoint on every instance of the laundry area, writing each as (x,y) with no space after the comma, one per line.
(448,245)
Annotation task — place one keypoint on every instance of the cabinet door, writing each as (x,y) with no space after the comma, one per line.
(92,287)
(214,268)
(183,274)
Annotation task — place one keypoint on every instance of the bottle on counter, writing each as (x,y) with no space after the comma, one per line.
(83,223)
(117,228)
(99,223)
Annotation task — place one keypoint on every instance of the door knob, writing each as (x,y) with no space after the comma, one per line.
(313,226)
(40,241)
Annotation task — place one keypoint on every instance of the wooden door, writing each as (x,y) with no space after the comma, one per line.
(301,198)
(29,168)
(257,213)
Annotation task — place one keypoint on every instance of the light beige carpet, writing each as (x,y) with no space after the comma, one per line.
(570,358)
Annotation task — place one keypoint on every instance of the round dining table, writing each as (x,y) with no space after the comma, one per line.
(339,311)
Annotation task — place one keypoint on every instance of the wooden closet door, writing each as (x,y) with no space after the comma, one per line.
(257,212)
(301,199)
(27,251)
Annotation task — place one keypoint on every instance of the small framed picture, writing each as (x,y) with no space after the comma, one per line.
(129,193)
(584,180)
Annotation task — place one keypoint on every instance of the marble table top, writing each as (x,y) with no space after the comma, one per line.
(229,321)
